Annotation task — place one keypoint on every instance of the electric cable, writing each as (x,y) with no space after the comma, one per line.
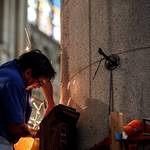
(98,68)
(98,61)
(133,50)
(84,68)
(111,93)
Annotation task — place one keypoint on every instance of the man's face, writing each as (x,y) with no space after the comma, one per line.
(32,83)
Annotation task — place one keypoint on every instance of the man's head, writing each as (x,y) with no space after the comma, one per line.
(36,68)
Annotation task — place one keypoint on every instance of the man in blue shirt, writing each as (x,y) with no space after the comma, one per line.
(17,78)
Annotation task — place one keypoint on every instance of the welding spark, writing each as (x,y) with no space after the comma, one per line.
(74,81)
(69,100)
(28,40)
(68,86)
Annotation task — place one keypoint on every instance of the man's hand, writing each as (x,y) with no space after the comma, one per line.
(33,132)
(47,91)
(21,130)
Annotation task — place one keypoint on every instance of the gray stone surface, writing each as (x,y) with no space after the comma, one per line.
(118,27)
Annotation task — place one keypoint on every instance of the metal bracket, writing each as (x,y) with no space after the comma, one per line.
(112,61)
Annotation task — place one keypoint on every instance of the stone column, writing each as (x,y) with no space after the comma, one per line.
(14,22)
(118,27)
(23,32)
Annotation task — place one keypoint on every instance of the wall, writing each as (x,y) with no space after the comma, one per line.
(118,27)
(12,29)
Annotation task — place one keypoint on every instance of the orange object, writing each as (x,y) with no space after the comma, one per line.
(133,127)
(27,143)
(36,144)
(24,143)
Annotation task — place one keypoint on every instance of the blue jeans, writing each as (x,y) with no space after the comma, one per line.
(4,144)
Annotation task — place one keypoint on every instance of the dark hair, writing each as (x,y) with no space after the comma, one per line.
(38,62)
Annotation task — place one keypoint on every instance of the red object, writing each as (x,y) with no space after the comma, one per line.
(133,127)
(135,131)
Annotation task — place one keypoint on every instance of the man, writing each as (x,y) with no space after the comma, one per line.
(17,78)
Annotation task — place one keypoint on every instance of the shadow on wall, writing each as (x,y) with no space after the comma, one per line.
(93,123)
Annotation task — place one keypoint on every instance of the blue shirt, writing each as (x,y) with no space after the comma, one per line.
(14,99)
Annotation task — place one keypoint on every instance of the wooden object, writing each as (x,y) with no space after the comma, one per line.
(116,125)
(36,144)
(57,130)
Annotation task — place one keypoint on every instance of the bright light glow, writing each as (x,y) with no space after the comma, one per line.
(41,105)
(35,106)
(45,14)
(29,121)
(31,15)
(32,99)
(38,112)
(32,3)
(27,49)
(56,33)
(44,17)
(28,40)
(31,12)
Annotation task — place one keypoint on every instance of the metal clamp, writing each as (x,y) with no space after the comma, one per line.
(112,61)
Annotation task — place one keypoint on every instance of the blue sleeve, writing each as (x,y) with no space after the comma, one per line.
(13,103)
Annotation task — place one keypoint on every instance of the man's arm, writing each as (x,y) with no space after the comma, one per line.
(21,130)
(48,94)
(12,105)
